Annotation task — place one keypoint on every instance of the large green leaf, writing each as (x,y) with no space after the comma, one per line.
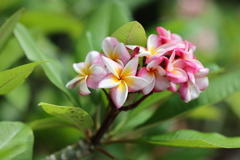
(76,115)
(131,33)
(194,139)
(10,53)
(12,78)
(51,22)
(53,69)
(220,88)
(16,141)
(7,28)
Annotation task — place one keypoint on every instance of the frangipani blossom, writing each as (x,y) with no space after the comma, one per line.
(115,50)
(89,72)
(174,71)
(122,80)
(167,37)
(193,87)
(155,74)
(154,48)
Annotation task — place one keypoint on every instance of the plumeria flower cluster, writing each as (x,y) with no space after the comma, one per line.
(168,64)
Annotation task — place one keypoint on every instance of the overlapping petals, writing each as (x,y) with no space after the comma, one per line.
(122,80)
(168,63)
(89,72)
(115,50)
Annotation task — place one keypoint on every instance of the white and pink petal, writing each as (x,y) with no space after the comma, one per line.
(119,94)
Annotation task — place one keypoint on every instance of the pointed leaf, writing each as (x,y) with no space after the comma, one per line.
(12,78)
(10,53)
(16,141)
(194,139)
(53,70)
(7,28)
(76,115)
(131,33)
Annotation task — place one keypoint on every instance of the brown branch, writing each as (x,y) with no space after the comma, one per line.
(134,105)
(105,152)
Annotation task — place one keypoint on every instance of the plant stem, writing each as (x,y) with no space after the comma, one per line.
(134,105)
(105,126)
(105,152)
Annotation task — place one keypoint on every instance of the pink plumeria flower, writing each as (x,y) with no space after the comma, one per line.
(174,70)
(89,72)
(122,80)
(115,50)
(193,87)
(167,37)
(155,74)
(154,48)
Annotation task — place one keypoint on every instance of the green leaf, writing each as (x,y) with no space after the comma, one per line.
(220,88)
(16,141)
(76,115)
(48,123)
(53,70)
(51,22)
(193,139)
(7,28)
(10,53)
(131,33)
(12,78)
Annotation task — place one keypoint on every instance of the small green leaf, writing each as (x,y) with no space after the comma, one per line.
(193,139)
(16,141)
(12,78)
(7,28)
(53,70)
(76,115)
(131,33)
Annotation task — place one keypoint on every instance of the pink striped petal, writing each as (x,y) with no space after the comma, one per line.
(153,42)
(108,46)
(112,66)
(135,83)
(173,87)
(83,89)
(93,57)
(148,88)
(202,83)
(80,68)
(188,91)
(163,32)
(109,81)
(71,84)
(96,74)
(177,76)
(179,63)
(202,72)
(131,68)
(149,76)
(161,83)
(120,52)
(177,38)
(119,94)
